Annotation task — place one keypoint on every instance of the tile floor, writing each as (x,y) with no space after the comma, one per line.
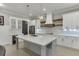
(60,51)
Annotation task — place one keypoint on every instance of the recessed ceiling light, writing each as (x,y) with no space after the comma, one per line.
(27,5)
(44,9)
(1,4)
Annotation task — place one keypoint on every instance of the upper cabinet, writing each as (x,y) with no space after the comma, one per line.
(71,20)
(16,25)
(13,24)
(58,22)
(19,24)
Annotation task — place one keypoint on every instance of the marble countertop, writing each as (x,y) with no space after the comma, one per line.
(68,34)
(42,40)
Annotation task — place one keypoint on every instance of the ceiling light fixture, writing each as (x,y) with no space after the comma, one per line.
(27,5)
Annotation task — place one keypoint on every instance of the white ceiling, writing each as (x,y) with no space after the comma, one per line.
(21,9)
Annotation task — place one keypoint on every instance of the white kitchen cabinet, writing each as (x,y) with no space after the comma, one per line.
(16,25)
(75,43)
(19,24)
(59,40)
(13,24)
(64,41)
(68,41)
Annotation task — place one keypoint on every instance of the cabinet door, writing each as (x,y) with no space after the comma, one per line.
(75,43)
(63,41)
(13,24)
(59,40)
(19,27)
(67,41)
(19,24)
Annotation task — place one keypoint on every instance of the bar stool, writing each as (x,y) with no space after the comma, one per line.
(2,51)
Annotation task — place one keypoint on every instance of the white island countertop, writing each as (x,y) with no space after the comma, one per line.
(42,40)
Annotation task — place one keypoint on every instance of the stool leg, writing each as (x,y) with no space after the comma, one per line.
(17,43)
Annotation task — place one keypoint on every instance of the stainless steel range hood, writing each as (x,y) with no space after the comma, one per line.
(49,19)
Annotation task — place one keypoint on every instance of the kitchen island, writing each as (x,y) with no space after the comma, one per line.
(39,40)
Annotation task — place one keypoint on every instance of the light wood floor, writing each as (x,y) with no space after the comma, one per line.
(60,51)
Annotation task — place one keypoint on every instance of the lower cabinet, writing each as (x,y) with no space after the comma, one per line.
(67,41)
(75,43)
(59,40)
(37,48)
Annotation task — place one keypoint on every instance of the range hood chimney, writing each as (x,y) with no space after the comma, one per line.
(49,19)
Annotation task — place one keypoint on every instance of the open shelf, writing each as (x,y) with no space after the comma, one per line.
(56,22)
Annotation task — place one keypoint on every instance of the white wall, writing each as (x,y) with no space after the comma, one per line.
(58,16)
(5,30)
